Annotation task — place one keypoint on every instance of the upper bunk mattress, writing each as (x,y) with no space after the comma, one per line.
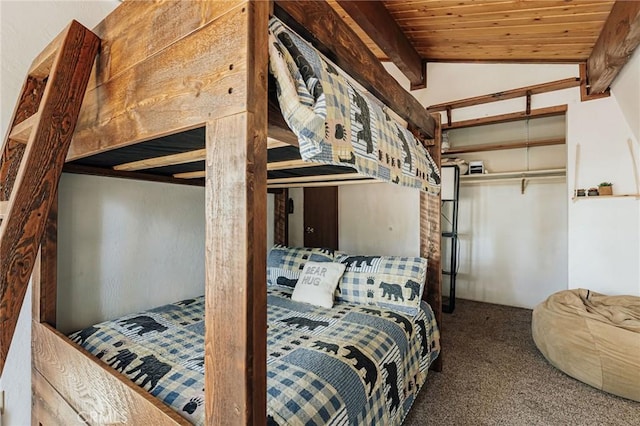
(338,122)
(347,365)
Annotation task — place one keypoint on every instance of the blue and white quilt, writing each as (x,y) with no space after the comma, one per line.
(352,364)
(339,123)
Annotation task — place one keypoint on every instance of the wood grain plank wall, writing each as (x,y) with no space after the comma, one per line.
(194,79)
(48,407)
(90,387)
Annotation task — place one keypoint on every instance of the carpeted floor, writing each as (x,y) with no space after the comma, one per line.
(494,375)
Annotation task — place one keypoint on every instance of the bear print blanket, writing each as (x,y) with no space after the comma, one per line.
(352,364)
(338,123)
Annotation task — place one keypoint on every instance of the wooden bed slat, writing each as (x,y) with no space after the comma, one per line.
(166,160)
(291,164)
(319,178)
(191,175)
(92,388)
(275,143)
(322,184)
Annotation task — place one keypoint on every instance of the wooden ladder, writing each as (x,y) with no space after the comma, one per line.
(33,155)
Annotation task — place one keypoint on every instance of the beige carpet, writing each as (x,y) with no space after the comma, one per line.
(494,375)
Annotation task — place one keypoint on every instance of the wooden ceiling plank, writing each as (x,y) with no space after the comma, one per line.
(540,29)
(375,20)
(508,94)
(166,160)
(618,39)
(403,10)
(421,24)
(505,118)
(353,57)
(494,42)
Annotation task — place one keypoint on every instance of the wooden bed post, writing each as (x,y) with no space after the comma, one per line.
(44,279)
(430,240)
(236,198)
(281,217)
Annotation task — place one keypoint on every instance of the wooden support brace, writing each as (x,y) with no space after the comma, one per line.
(528,110)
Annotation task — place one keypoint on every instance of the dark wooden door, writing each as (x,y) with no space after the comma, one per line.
(321,217)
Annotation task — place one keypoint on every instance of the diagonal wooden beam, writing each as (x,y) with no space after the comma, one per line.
(618,39)
(319,23)
(374,18)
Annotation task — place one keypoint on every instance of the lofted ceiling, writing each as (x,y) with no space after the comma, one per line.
(602,34)
(496,31)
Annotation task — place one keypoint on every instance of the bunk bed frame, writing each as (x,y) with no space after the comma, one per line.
(166,67)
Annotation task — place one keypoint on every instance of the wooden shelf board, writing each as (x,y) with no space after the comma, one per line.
(516,174)
(506,145)
(636,196)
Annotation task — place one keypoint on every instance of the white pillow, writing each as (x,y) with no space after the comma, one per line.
(317,283)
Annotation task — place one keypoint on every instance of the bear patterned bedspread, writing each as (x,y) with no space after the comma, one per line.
(352,364)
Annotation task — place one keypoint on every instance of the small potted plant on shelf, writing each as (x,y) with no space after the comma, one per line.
(605,188)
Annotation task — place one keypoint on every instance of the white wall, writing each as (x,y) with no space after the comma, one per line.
(513,246)
(126,246)
(296,220)
(516,249)
(604,234)
(626,88)
(379,219)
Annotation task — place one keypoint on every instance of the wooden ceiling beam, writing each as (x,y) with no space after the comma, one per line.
(508,94)
(375,20)
(319,23)
(617,41)
(505,118)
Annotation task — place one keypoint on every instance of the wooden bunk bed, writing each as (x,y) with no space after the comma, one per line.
(199,71)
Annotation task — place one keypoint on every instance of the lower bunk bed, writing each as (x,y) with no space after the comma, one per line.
(350,364)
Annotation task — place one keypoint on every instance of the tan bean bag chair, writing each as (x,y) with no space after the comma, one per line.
(593,338)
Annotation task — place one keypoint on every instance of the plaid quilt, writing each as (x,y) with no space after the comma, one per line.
(339,123)
(352,364)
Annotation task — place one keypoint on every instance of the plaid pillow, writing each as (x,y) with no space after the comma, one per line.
(390,282)
(285,264)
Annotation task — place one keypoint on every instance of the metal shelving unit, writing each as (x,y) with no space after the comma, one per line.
(450,237)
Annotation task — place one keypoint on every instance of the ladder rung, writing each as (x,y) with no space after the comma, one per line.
(4,207)
(22,131)
(41,65)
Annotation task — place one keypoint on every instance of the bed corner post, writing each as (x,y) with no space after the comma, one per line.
(235,253)
(430,240)
(281,217)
